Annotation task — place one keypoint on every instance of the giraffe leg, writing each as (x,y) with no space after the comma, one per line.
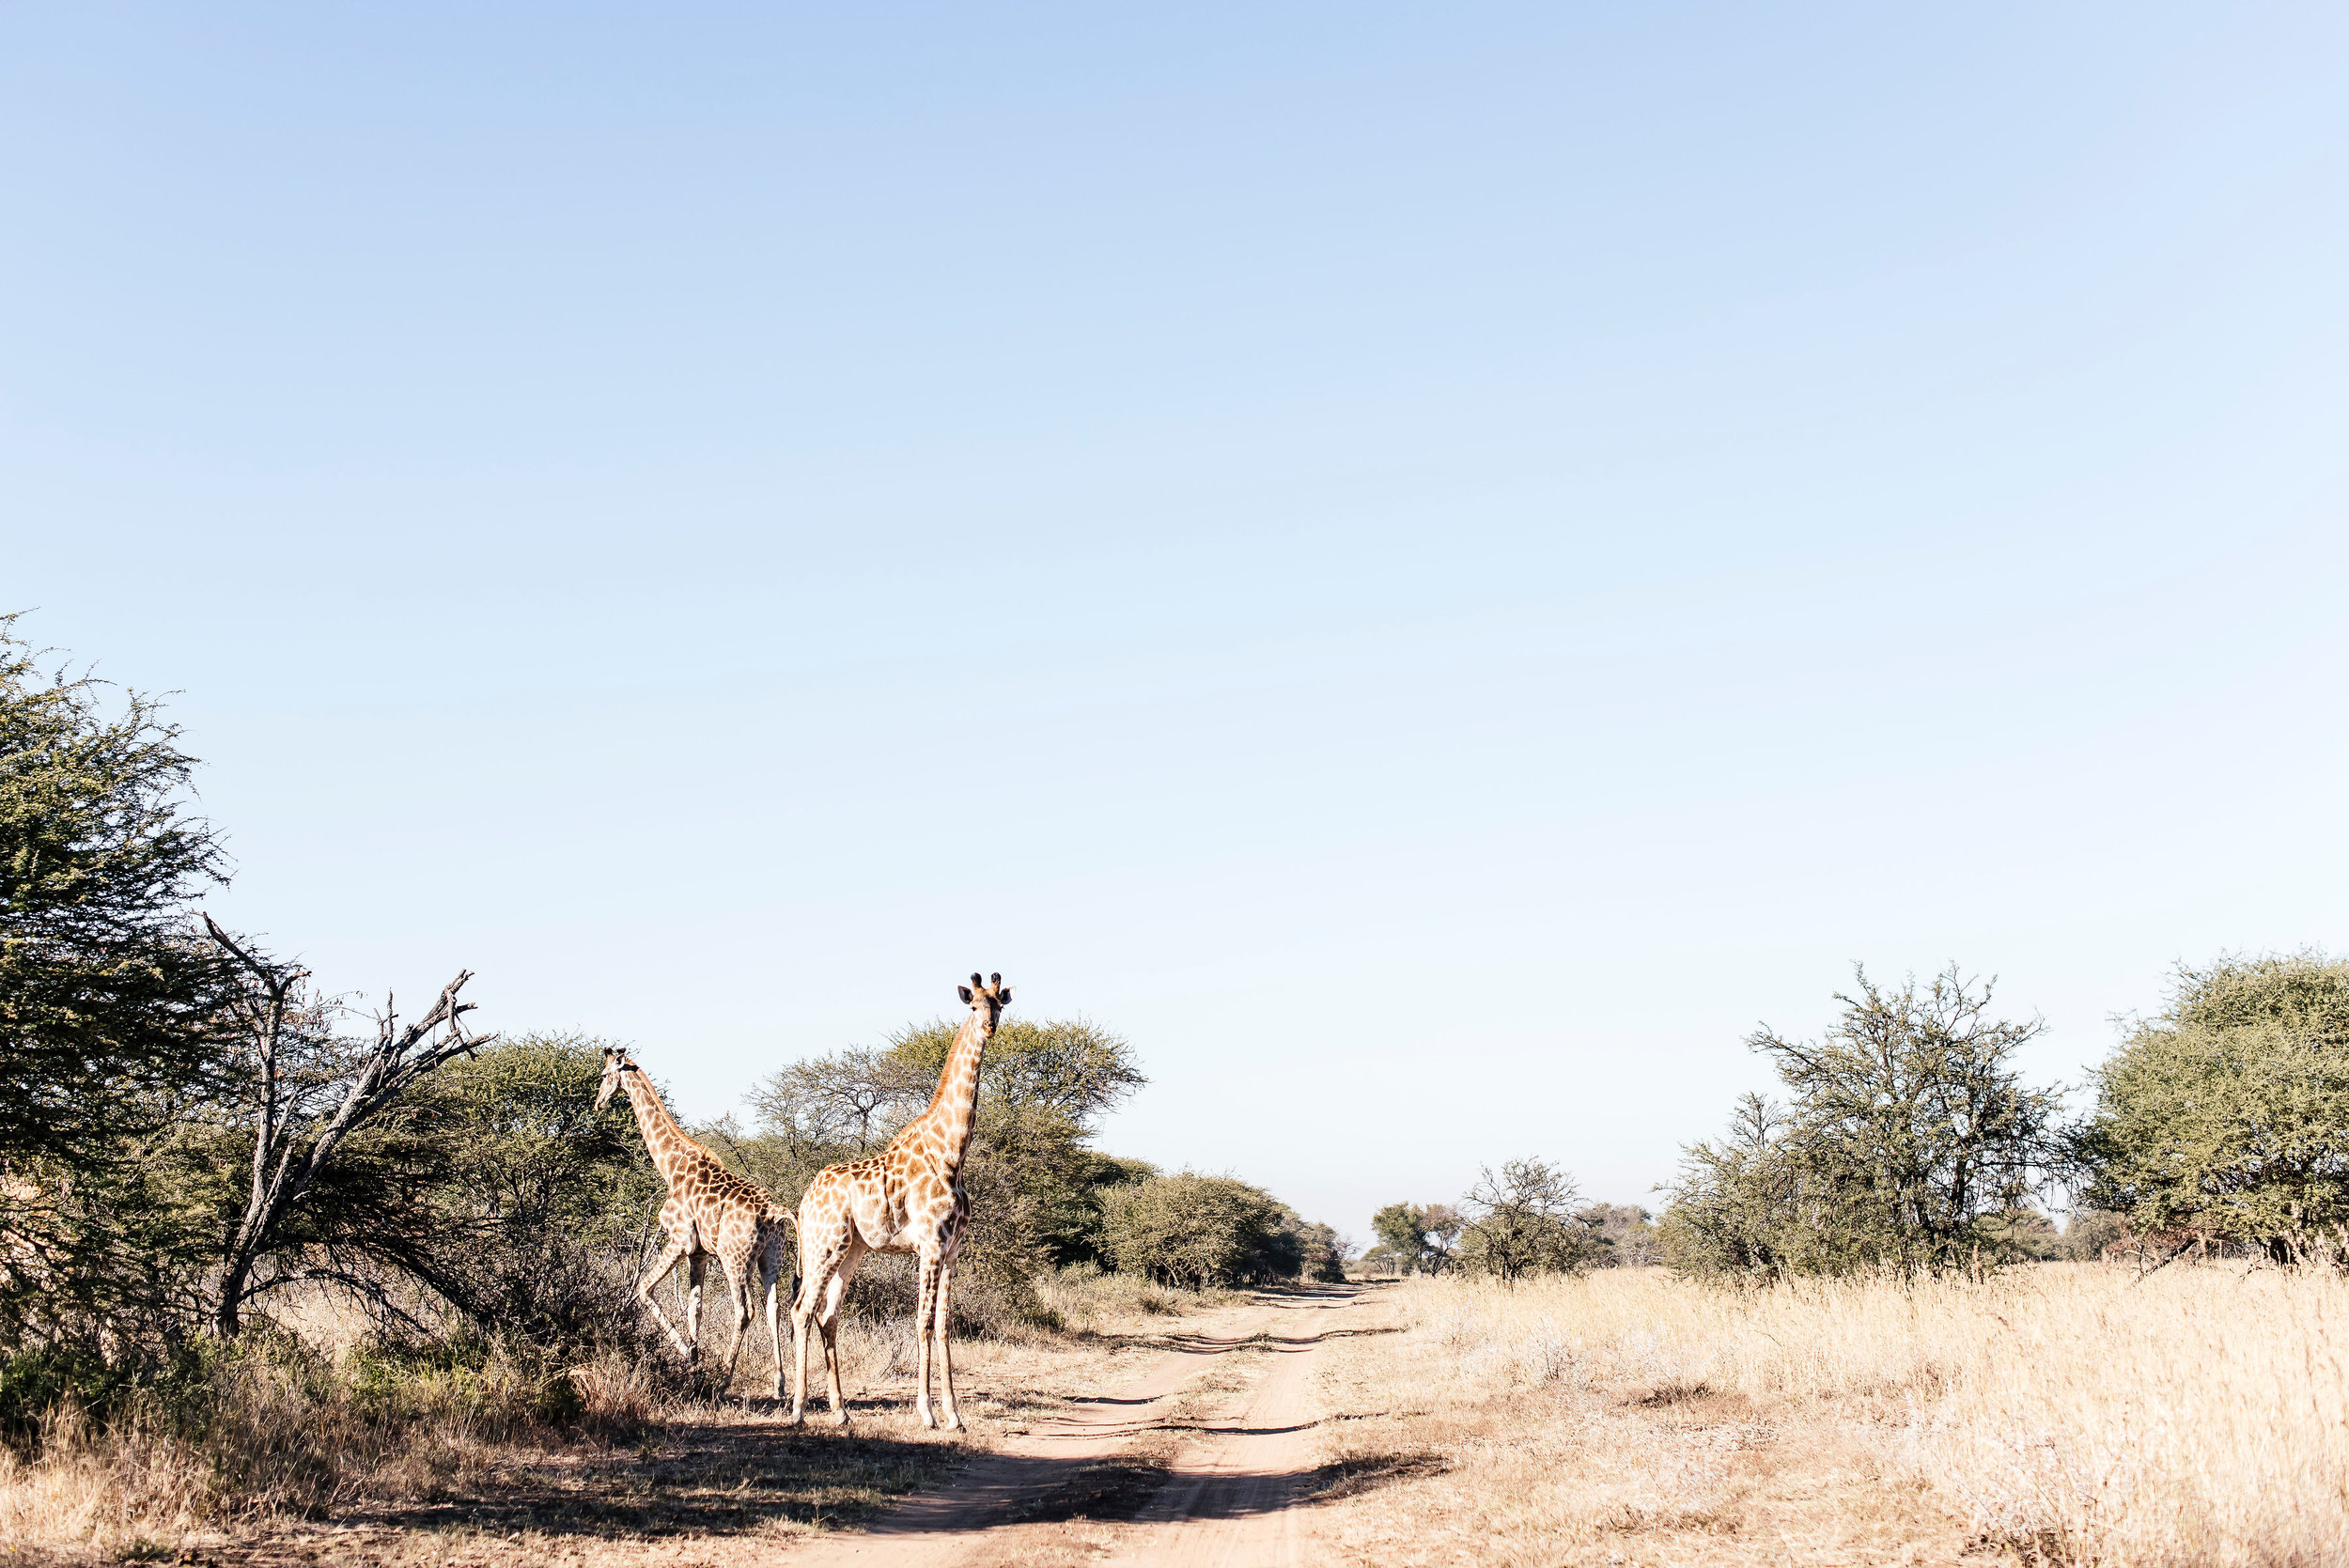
(738,1292)
(798,1359)
(812,1283)
(770,1258)
(852,1252)
(696,1266)
(950,1418)
(829,1323)
(816,1268)
(659,1272)
(924,1302)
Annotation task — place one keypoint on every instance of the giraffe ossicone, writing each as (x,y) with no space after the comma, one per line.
(908,1198)
(709,1210)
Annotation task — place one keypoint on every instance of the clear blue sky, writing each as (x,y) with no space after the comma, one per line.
(1431,566)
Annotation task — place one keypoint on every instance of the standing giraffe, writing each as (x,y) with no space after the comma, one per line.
(908,1198)
(709,1209)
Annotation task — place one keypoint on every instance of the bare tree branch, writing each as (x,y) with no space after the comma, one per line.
(288,1151)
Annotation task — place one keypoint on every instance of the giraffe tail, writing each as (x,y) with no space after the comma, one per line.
(788,1270)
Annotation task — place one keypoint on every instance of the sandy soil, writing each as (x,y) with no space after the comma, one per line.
(1188,1445)
(1205,1458)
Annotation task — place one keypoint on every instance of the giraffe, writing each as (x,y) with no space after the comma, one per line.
(709,1209)
(908,1198)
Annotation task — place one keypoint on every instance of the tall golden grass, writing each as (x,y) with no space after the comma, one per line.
(2076,1412)
(129,1484)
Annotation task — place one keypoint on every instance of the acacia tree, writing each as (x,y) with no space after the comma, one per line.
(179,1115)
(1624,1234)
(1036,1185)
(1521,1221)
(852,1100)
(1911,1116)
(1402,1235)
(1740,1204)
(107,1000)
(494,1183)
(1417,1236)
(1907,1132)
(1322,1249)
(2226,1118)
(538,1202)
(103,997)
(1441,1224)
(1200,1231)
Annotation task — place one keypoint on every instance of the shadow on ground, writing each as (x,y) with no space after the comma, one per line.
(723,1481)
(724,1478)
(688,1480)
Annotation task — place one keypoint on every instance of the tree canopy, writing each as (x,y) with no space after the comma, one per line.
(106,997)
(1037,1184)
(1416,1237)
(110,1005)
(1909,1130)
(2227,1116)
(1198,1230)
(1521,1220)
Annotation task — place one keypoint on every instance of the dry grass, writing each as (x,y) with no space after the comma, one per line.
(281,1434)
(2201,1416)
(127,1487)
(2068,1412)
(1088,1301)
(312,1446)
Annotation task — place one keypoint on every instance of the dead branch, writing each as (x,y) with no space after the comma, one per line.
(284,1166)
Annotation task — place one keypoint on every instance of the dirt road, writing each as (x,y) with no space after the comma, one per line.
(1198,1462)
(1197,1454)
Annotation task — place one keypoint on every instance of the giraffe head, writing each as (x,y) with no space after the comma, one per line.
(616,1063)
(987,998)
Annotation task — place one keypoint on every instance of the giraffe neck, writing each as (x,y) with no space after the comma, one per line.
(954,1107)
(671,1149)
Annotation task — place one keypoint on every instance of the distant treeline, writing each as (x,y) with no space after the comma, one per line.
(1041,1196)
(1908,1141)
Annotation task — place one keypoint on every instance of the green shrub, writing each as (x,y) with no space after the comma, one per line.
(2226,1119)
(1200,1231)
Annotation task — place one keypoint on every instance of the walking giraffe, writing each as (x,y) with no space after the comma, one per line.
(908,1198)
(709,1210)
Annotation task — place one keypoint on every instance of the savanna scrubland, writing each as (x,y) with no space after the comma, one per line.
(268,1254)
(271,1268)
(2053,1412)
(1867,1340)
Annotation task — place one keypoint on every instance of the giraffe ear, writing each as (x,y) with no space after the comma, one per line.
(1003,998)
(964,992)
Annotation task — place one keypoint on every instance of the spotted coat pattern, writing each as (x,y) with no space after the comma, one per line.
(908,1198)
(710,1211)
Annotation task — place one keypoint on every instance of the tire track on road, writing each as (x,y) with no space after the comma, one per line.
(1228,1497)
(1232,1500)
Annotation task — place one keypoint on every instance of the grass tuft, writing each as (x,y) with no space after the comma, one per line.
(2065,1413)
